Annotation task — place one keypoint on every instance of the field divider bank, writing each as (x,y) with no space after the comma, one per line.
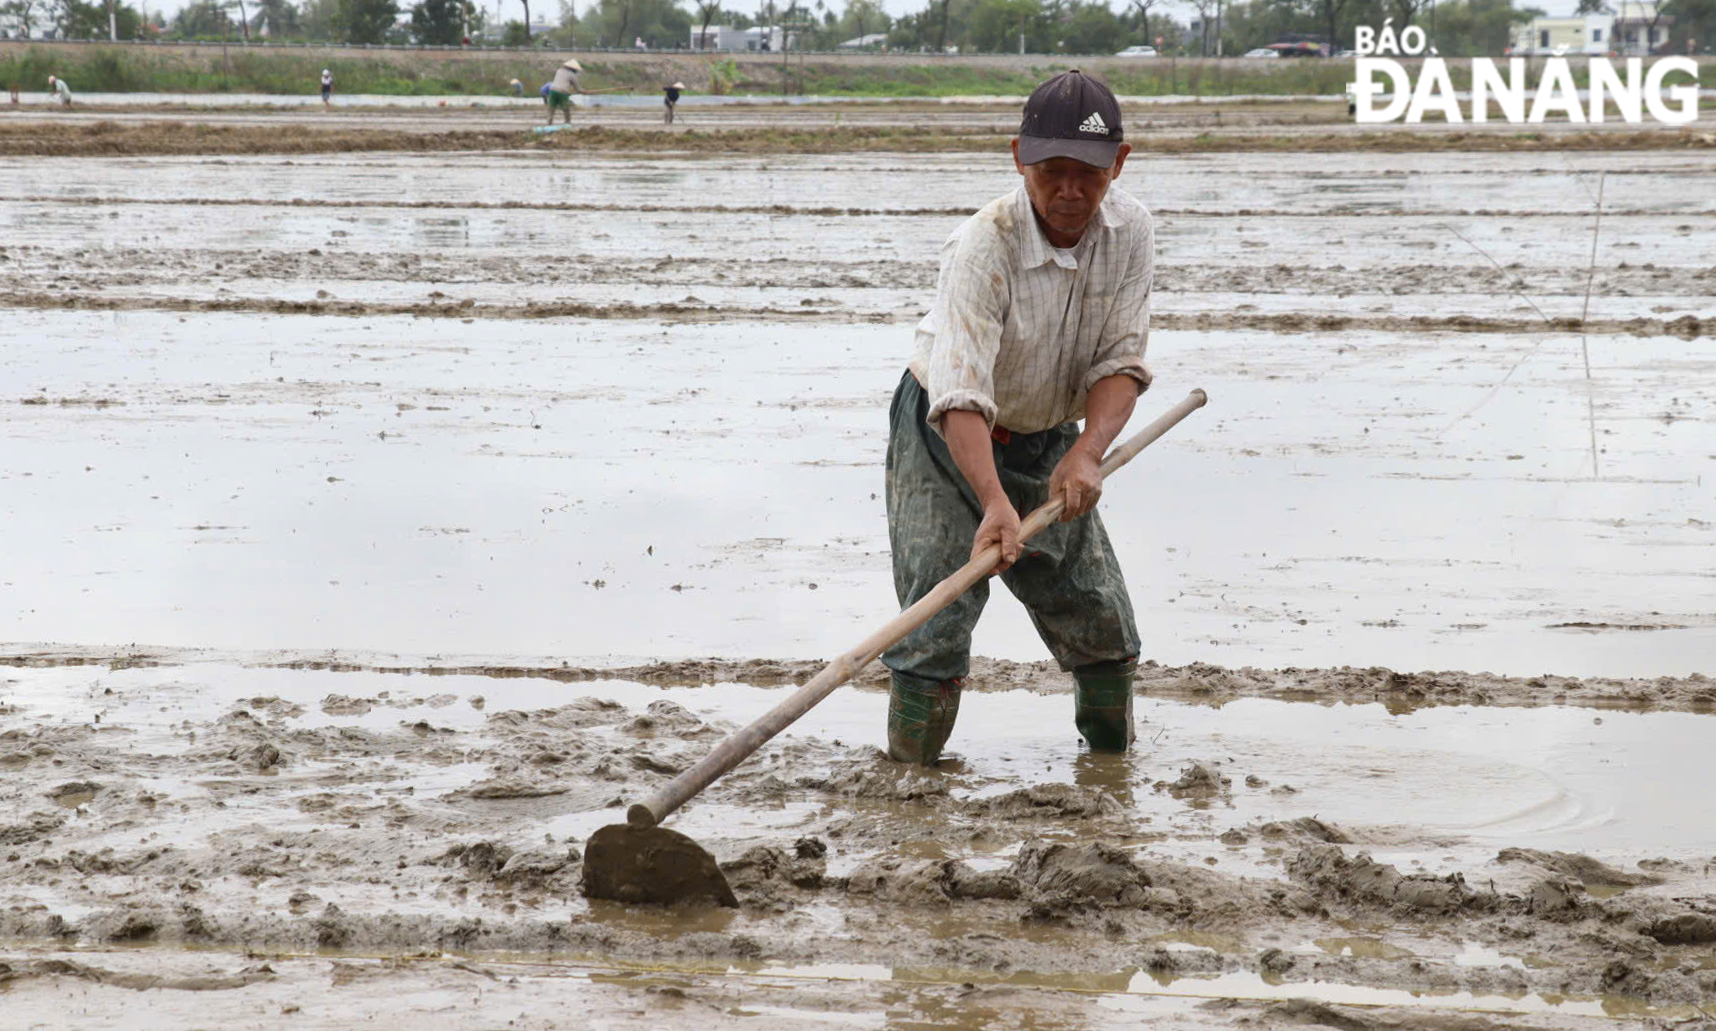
(1685,327)
(47,137)
(772,209)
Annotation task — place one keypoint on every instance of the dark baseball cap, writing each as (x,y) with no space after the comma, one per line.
(1071,116)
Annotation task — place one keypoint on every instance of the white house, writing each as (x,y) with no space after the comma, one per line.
(1577,34)
(717,37)
(1625,28)
(1633,25)
(760,37)
(864,42)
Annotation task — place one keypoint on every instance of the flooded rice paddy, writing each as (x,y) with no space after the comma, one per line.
(372,521)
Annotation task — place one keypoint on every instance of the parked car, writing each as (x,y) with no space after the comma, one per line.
(1299,49)
(1137,51)
(1261,52)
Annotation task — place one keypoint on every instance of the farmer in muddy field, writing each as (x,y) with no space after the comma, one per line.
(670,99)
(327,88)
(58,90)
(1040,318)
(561,89)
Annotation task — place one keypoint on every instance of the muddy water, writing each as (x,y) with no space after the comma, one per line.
(1531,185)
(427,486)
(286,809)
(690,477)
(1522,503)
(1607,783)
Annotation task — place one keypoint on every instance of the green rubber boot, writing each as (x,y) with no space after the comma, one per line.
(920,717)
(1102,704)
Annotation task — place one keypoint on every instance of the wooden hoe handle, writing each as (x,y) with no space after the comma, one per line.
(739,746)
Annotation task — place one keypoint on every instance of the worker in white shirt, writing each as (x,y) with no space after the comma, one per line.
(59,91)
(1040,319)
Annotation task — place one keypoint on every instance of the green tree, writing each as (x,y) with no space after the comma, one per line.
(281,17)
(907,32)
(1141,16)
(1694,27)
(366,21)
(25,12)
(942,22)
(202,19)
(863,18)
(1089,28)
(438,22)
(1478,28)
(707,12)
(514,34)
(994,26)
(1330,11)
(78,20)
(661,23)
(319,19)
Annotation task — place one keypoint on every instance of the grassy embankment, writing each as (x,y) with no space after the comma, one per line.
(213,69)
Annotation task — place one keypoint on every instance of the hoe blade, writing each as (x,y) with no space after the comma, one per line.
(651,864)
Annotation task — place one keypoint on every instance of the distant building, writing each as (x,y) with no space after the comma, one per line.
(717,37)
(1579,34)
(761,37)
(1626,29)
(1634,28)
(874,39)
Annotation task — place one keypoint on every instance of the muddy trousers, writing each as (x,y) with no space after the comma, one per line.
(1067,577)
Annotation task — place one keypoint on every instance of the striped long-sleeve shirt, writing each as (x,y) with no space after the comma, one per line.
(1021,330)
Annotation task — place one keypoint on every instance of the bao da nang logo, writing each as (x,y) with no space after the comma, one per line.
(1382,80)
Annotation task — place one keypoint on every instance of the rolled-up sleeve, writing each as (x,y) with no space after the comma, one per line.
(970,306)
(1120,351)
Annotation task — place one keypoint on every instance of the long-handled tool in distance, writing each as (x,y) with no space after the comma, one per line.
(641,861)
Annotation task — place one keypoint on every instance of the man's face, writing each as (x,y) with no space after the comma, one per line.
(1065,192)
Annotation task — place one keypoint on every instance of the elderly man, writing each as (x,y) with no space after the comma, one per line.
(1040,318)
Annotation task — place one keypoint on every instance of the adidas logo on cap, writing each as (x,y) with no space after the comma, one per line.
(1071,116)
(1094,124)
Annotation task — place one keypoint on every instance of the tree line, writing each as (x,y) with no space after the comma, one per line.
(1455,27)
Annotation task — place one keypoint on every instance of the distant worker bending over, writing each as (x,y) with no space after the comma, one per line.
(58,90)
(561,89)
(671,98)
(1040,318)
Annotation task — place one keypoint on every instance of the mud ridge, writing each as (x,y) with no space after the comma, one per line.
(792,210)
(115,139)
(37,270)
(1197,682)
(1685,327)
